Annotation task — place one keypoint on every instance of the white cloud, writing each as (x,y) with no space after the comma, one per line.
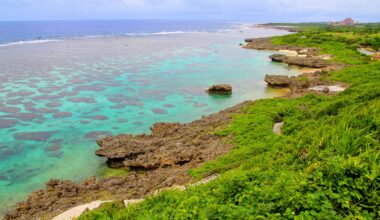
(262,10)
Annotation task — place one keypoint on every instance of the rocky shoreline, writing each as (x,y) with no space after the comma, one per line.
(158,160)
(163,158)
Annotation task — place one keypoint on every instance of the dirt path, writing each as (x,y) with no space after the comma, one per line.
(78,210)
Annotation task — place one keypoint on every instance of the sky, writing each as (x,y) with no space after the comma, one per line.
(231,10)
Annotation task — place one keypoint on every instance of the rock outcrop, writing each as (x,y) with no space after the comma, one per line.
(266,44)
(312,62)
(277,81)
(165,155)
(294,83)
(169,145)
(221,89)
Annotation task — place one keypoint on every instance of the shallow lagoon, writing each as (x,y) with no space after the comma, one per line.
(57,98)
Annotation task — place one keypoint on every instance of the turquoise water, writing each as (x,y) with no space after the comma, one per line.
(57,98)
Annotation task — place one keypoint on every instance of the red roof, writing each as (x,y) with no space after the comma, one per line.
(347,21)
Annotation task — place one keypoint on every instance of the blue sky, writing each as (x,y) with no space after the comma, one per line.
(242,10)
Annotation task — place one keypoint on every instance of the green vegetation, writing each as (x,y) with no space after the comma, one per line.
(333,39)
(326,165)
(343,46)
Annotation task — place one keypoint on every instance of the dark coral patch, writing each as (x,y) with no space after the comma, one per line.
(53,148)
(19,94)
(54,151)
(67,93)
(159,111)
(99,117)
(138,123)
(24,116)
(56,141)
(43,110)
(29,106)
(62,114)
(125,100)
(45,97)
(34,136)
(77,80)
(54,104)
(97,134)
(10,109)
(6,151)
(7,123)
(14,101)
(87,100)
(89,88)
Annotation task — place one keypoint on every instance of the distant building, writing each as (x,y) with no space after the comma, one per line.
(345,22)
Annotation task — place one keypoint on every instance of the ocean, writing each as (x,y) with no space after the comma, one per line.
(17,32)
(63,84)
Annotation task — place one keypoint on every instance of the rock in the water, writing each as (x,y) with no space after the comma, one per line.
(277,81)
(221,89)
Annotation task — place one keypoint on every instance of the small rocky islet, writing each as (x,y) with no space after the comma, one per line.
(162,158)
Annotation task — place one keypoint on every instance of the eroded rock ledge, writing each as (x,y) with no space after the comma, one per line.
(166,155)
(266,44)
(169,144)
(312,62)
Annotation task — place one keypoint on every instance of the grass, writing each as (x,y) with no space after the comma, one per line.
(326,165)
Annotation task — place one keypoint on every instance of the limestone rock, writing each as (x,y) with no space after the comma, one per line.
(221,89)
(277,81)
